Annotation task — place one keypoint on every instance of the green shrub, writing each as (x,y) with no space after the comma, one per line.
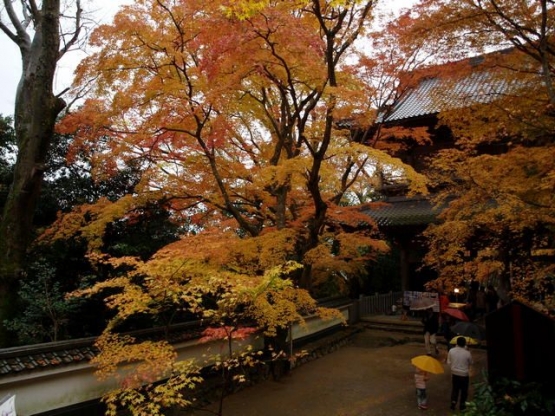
(44,310)
(509,398)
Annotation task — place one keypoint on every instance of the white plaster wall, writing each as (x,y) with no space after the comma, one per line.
(314,324)
(44,390)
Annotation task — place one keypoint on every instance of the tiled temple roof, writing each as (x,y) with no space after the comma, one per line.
(404,211)
(18,360)
(439,90)
(51,355)
(434,95)
(26,359)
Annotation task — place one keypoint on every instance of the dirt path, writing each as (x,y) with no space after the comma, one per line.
(359,379)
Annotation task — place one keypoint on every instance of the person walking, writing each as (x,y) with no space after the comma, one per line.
(443,302)
(420,379)
(431,326)
(445,329)
(460,360)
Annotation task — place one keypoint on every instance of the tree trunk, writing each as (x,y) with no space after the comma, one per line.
(36,110)
(277,354)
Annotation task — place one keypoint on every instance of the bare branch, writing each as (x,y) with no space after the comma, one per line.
(8,32)
(34,10)
(22,36)
(76,33)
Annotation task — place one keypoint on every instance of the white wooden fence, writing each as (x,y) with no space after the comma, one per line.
(378,304)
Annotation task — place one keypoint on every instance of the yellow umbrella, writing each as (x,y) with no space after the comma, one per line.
(427,363)
(469,341)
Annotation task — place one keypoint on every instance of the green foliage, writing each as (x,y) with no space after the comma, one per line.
(68,268)
(383,274)
(45,312)
(70,181)
(510,398)
(141,233)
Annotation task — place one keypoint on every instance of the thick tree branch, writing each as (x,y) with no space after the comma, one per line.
(20,37)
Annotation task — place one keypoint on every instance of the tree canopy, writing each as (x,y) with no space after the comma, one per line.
(235,120)
(238,118)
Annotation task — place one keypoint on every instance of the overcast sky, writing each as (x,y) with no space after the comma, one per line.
(10,61)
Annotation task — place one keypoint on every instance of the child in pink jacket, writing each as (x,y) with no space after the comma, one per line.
(420,378)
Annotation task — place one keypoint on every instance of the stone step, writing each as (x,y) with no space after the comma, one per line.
(393,328)
(410,329)
(393,323)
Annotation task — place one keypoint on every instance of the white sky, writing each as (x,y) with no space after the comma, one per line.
(10,60)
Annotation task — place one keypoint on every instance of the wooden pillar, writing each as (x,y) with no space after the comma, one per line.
(518,340)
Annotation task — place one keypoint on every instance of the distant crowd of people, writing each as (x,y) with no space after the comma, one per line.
(480,300)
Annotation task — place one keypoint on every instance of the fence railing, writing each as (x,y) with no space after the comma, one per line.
(378,304)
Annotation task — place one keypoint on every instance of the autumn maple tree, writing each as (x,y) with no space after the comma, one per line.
(234,113)
(499,175)
(233,305)
(238,115)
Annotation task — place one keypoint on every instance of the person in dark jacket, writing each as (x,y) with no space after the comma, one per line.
(491,299)
(431,326)
(445,329)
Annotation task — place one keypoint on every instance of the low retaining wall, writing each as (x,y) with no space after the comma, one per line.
(43,392)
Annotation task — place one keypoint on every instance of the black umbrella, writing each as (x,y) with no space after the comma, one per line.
(469,329)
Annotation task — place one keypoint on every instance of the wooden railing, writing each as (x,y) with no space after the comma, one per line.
(378,304)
